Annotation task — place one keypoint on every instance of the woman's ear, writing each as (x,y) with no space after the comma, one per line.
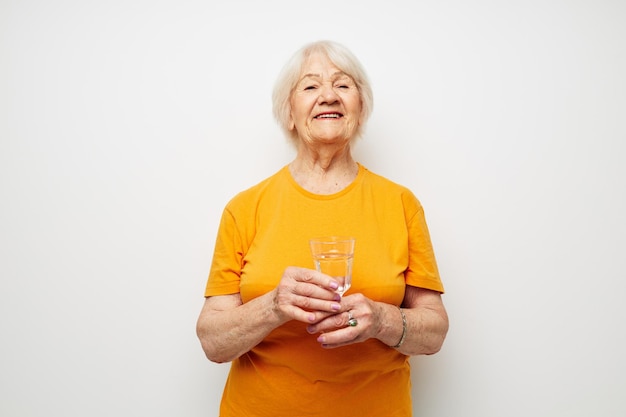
(362,114)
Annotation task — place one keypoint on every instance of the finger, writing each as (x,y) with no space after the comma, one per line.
(329,322)
(312,276)
(296,313)
(315,292)
(305,315)
(305,309)
(316,305)
(342,337)
(308,297)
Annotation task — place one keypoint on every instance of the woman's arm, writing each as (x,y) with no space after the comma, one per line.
(228,328)
(426,322)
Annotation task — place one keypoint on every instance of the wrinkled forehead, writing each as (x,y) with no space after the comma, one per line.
(319,65)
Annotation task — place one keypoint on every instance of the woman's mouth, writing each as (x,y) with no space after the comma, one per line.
(330,115)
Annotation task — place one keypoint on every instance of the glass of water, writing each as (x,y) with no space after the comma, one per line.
(333,256)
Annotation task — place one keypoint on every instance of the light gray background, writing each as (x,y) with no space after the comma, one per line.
(127,125)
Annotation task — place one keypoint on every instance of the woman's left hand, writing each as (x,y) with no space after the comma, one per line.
(421,326)
(336,329)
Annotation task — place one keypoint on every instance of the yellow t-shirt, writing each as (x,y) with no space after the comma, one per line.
(267,228)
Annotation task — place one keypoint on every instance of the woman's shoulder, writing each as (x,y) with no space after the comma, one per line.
(255,192)
(382,181)
(387,188)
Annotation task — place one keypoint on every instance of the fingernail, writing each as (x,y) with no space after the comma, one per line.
(321,339)
(337,297)
(310,329)
(335,306)
(334,285)
(311,317)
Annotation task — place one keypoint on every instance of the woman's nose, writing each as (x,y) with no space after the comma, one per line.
(327,95)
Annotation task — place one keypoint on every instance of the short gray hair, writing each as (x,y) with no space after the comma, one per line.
(340,56)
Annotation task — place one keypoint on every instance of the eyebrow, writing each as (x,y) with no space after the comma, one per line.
(335,75)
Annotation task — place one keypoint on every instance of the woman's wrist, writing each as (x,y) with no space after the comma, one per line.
(393,328)
(404,330)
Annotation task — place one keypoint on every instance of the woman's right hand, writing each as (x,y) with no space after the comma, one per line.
(305,295)
(228,328)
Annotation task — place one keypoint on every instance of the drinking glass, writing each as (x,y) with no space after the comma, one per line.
(333,256)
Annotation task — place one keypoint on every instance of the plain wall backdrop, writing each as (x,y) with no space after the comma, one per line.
(126,126)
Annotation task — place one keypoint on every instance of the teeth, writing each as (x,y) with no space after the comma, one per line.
(328,116)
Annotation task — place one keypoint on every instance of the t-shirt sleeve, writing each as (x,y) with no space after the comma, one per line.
(225,273)
(422,270)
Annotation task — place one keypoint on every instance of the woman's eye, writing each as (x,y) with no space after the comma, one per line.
(309,87)
(343,86)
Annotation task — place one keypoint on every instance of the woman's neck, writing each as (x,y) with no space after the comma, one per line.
(324,174)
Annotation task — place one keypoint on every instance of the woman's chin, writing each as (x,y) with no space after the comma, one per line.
(329,137)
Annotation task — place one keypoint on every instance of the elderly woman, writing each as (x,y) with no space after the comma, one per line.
(281,323)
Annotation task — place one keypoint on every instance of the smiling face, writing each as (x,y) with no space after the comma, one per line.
(325,104)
